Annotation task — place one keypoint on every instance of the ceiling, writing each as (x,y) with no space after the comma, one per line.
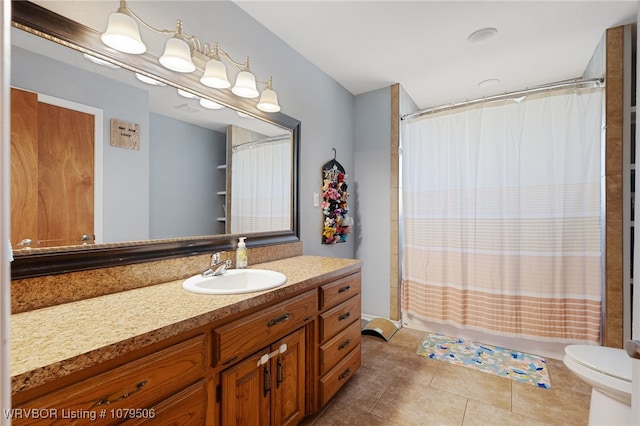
(367,45)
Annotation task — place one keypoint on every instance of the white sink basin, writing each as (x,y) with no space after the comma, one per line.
(235,281)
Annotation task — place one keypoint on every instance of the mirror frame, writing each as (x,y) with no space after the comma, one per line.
(42,22)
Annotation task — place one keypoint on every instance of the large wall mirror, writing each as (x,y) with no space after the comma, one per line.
(122,161)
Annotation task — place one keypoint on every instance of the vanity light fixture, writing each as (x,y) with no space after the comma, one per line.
(245,86)
(268,100)
(215,73)
(177,53)
(123,33)
(184,53)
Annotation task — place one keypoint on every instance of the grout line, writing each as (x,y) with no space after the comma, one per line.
(464,413)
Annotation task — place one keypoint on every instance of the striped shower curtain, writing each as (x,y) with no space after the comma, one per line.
(502,217)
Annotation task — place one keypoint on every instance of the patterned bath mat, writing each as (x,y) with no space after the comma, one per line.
(518,366)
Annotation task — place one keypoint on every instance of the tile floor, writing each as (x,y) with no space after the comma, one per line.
(396,387)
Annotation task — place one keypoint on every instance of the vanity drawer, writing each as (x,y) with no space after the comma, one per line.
(337,319)
(253,332)
(139,384)
(338,291)
(188,407)
(338,347)
(341,373)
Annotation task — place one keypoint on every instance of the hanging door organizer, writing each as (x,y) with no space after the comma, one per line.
(336,222)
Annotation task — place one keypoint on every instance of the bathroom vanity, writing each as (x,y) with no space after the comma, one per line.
(162,355)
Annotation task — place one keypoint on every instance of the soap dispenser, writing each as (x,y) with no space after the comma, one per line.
(241,254)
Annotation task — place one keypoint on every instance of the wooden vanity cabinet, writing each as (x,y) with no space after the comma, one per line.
(271,391)
(231,371)
(255,392)
(151,388)
(186,408)
(339,335)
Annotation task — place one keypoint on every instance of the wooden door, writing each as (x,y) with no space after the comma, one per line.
(65,171)
(246,392)
(289,380)
(52,172)
(24,166)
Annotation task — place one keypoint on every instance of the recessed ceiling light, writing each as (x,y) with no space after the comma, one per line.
(482,36)
(491,82)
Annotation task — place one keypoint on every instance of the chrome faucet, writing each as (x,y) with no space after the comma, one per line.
(217,266)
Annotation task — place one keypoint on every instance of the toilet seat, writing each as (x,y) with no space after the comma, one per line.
(610,361)
(606,369)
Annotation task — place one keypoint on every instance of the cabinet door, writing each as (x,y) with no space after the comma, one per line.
(269,394)
(289,387)
(246,392)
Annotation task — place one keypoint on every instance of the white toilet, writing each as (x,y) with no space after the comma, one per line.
(608,371)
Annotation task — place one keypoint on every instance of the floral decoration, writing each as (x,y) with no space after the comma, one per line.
(337,223)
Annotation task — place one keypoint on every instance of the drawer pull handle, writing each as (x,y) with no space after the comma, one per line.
(107,401)
(345,374)
(267,380)
(344,316)
(279,373)
(343,289)
(278,320)
(344,345)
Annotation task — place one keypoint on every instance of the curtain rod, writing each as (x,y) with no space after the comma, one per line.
(268,139)
(558,84)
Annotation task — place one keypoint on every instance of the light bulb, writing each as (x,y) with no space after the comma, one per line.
(268,101)
(123,35)
(215,75)
(245,86)
(177,56)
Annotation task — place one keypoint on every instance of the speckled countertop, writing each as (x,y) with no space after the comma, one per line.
(55,341)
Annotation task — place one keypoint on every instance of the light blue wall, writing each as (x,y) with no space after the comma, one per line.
(372,192)
(184,179)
